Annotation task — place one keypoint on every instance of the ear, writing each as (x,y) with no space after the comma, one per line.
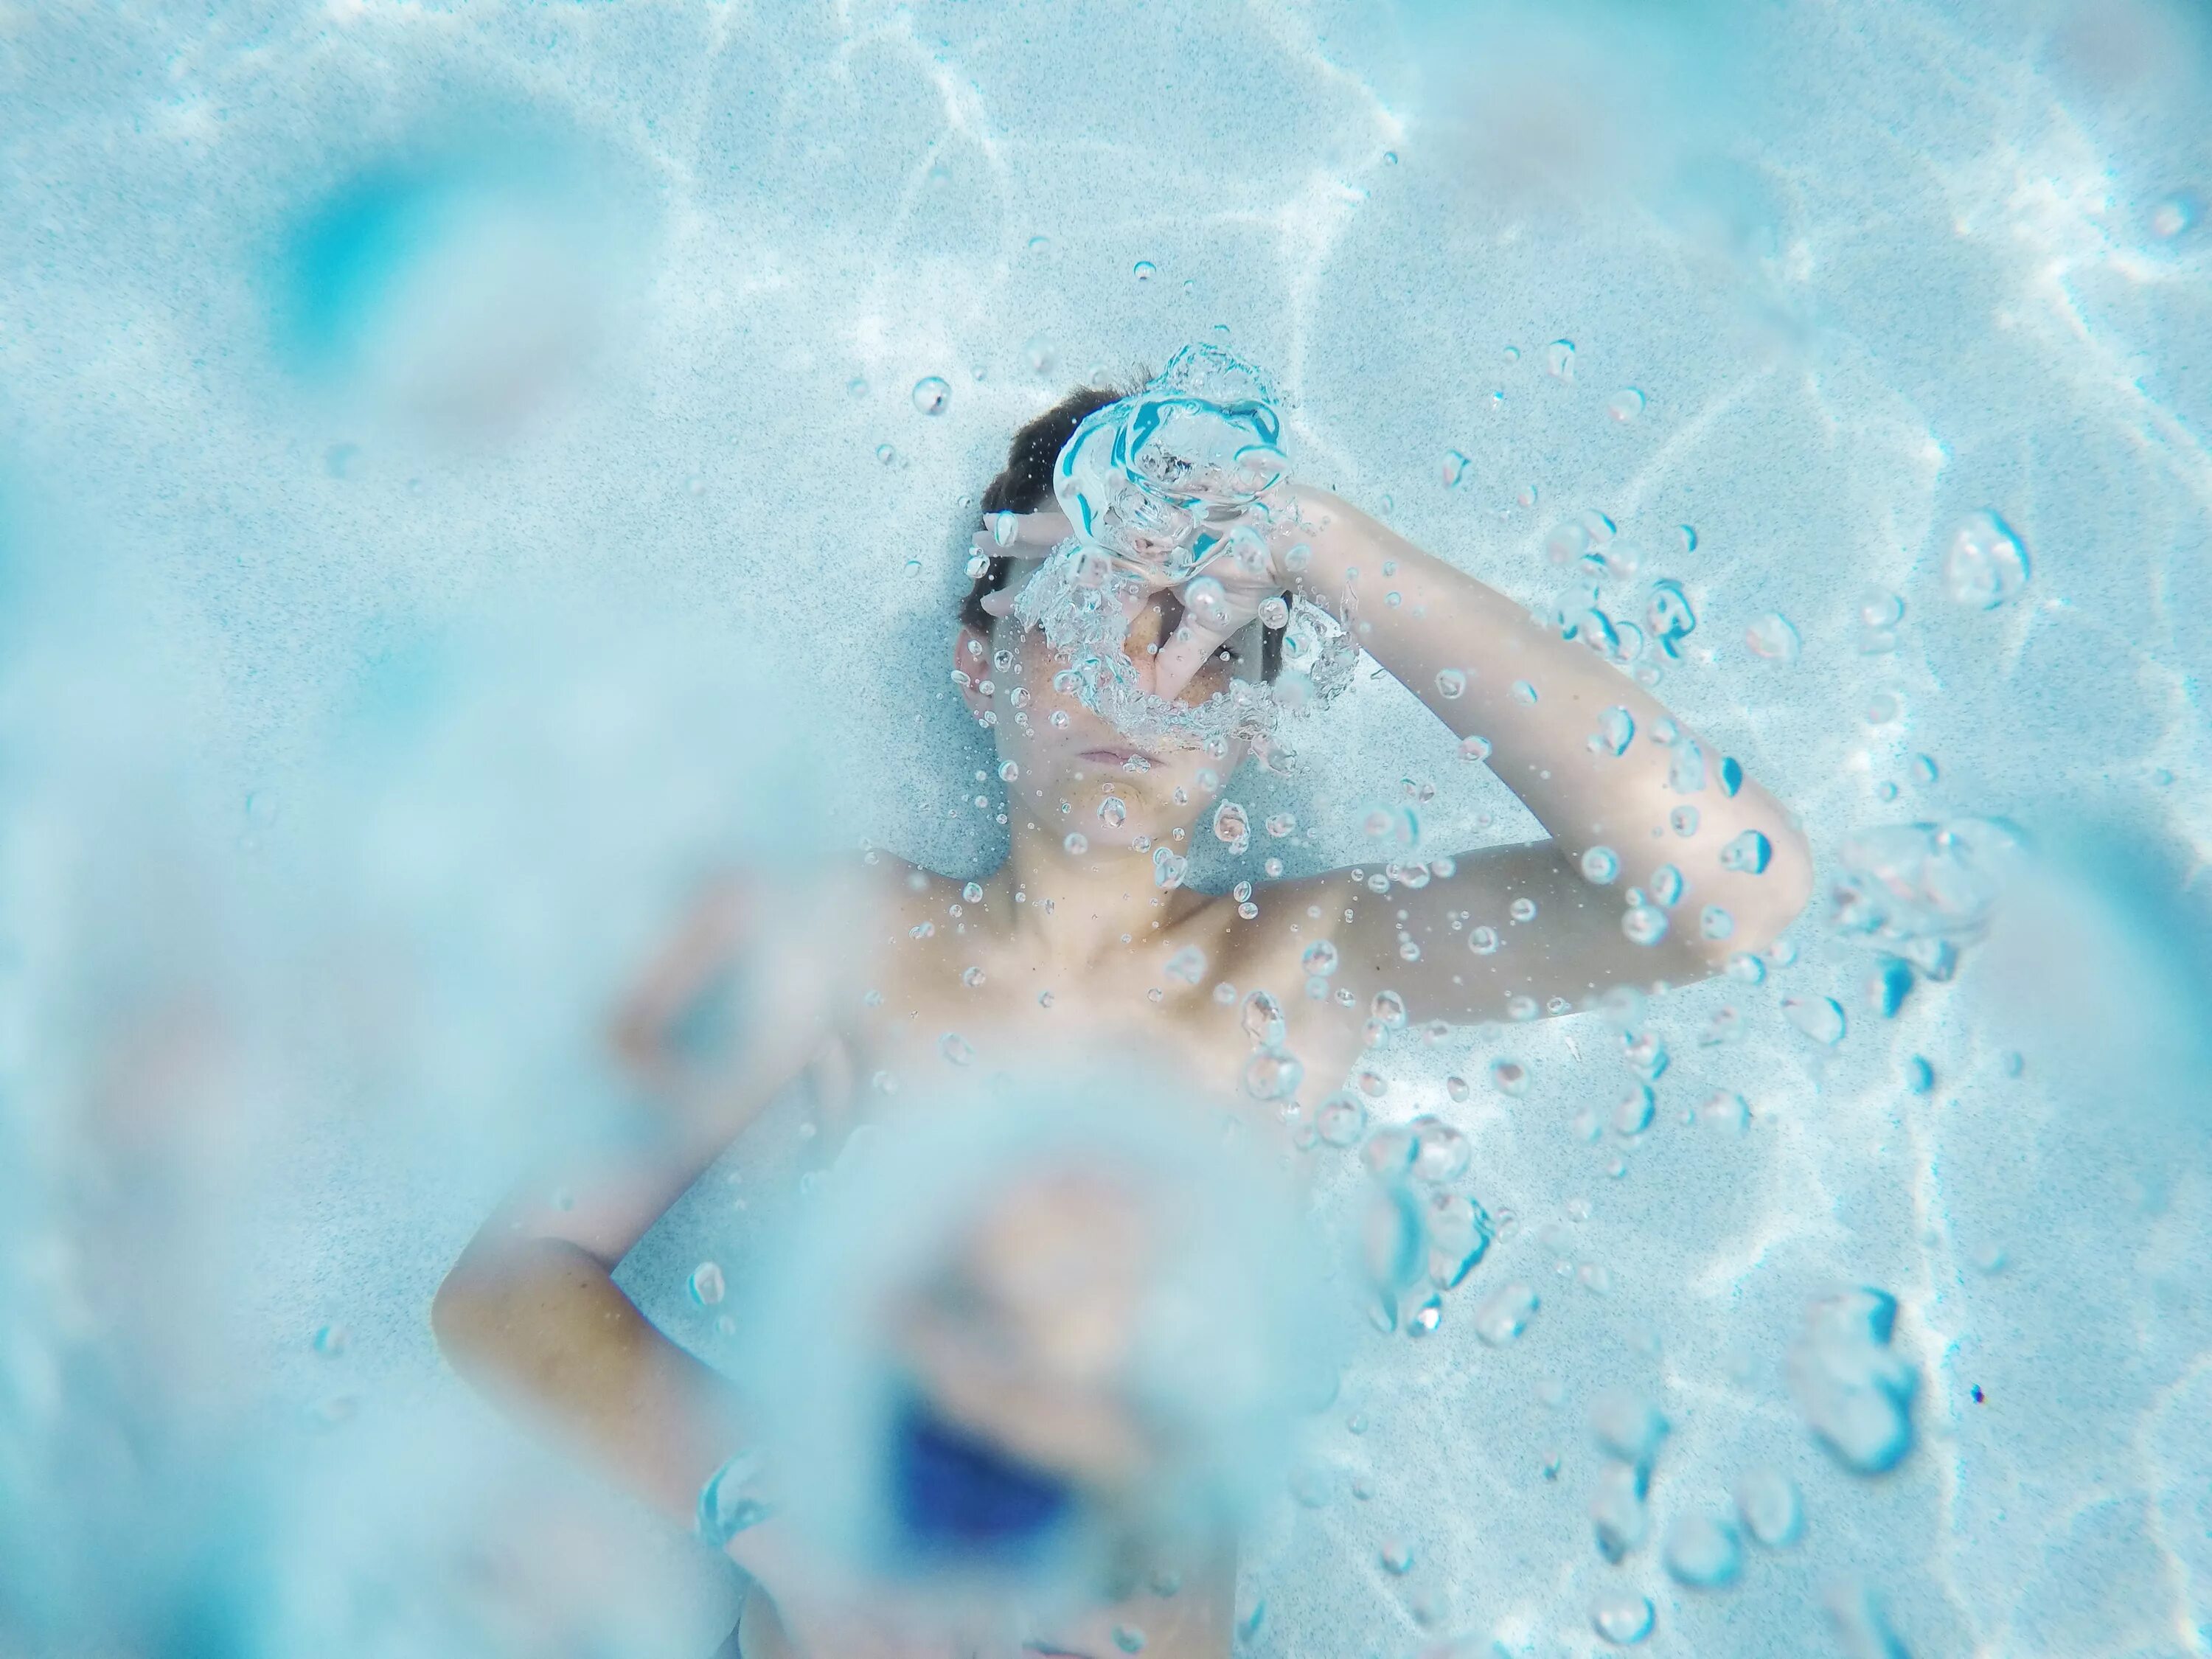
(971,658)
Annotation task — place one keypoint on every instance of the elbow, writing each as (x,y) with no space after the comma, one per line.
(1785,890)
(463,1309)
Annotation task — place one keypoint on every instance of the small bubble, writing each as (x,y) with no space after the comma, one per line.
(705,1284)
(1144,270)
(955,1047)
(1077,843)
(1600,866)
(1450,682)
(1772,637)
(1622,1617)
(1560,360)
(2172,216)
(1767,1502)
(1633,1116)
(1750,852)
(1502,1317)
(1984,564)
(1820,1019)
(1524,692)
(931,394)
(1484,940)
(1341,1119)
(1625,406)
(1475,749)
(1507,1077)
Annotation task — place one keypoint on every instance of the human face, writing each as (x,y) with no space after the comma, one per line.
(1075,773)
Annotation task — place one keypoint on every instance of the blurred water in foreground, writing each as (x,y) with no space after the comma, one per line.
(471,471)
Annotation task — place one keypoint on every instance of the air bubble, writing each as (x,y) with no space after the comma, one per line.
(1750,852)
(1450,682)
(1767,1502)
(1772,637)
(1341,1119)
(705,1284)
(931,394)
(1560,360)
(1820,1019)
(1701,1551)
(1625,406)
(1622,1617)
(1501,1317)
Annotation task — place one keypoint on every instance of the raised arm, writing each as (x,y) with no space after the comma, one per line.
(1632,801)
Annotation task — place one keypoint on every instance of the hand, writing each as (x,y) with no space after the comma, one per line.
(1243,567)
(1250,568)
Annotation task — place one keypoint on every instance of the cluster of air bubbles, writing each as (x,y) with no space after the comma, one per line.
(1925,889)
(1159,479)
(1983,563)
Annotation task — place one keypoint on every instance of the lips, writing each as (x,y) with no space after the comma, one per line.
(1110,757)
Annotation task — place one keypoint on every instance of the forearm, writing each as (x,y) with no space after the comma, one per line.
(1487,669)
(540,1324)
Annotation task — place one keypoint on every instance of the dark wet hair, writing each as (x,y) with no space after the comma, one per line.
(1025,485)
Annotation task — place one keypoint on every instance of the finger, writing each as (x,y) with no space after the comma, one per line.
(1186,652)
(1000,602)
(1047,528)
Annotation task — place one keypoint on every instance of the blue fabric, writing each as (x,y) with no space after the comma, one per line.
(956,1494)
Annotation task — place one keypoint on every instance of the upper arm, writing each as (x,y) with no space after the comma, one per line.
(775,956)
(1509,923)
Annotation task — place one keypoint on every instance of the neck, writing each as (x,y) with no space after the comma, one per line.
(1076,906)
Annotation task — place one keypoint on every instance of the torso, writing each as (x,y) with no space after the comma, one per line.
(914,1024)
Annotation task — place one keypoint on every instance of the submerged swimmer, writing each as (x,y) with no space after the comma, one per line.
(1077,942)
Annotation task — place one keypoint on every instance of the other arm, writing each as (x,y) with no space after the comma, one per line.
(1552,713)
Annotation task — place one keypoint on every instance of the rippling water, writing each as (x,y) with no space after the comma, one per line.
(1853,354)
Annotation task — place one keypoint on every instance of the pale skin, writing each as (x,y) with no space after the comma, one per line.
(1071,950)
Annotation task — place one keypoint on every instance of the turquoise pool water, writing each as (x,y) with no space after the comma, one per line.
(427,422)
